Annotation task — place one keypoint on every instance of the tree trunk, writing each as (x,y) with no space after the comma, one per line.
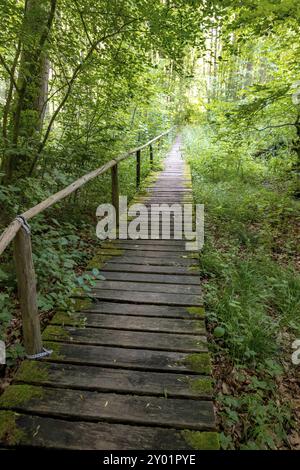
(29,105)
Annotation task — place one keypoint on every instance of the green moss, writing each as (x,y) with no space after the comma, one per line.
(32,371)
(199,311)
(202,385)
(81,304)
(10,433)
(109,244)
(56,351)
(100,258)
(111,252)
(16,395)
(199,362)
(63,318)
(55,332)
(202,440)
(97,261)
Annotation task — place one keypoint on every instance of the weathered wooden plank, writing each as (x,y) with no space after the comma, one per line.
(154,269)
(148,277)
(160,208)
(168,200)
(110,407)
(147,297)
(166,243)
(166,261)
(145,310)
(148,287)
(129,322)
(52,433)
(115,380)
(137,246)
(116,357)
(174,256)
(127,339)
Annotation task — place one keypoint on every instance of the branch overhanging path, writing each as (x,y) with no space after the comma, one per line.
(135,374)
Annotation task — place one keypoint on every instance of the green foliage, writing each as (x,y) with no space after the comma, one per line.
(252,292)
(247,282)
(264,422)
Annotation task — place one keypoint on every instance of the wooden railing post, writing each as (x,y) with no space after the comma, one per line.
(151,155)
(27,292)
(115,190)
(138,168)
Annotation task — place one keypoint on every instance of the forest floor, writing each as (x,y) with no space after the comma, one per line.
(250,272)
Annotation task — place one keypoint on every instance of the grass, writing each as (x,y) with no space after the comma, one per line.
(251,286)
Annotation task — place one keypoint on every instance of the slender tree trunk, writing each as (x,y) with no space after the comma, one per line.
(29,108)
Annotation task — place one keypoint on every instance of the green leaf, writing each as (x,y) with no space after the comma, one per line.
(219,331)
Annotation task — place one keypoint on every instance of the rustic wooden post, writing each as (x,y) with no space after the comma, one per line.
(115,190)
(138,168)
(151,155)
(27,292)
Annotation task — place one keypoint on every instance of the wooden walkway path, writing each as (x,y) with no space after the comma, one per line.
(131,371)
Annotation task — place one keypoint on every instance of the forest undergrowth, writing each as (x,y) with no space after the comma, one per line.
(250,272)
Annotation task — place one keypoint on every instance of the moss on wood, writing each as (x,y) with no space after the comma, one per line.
(32,371)
(202,385)
(10,433)
(56,351)
(199,362)
(198,311)
(100,258)
(55,332)
(17,395)
(81,304)
(74,319)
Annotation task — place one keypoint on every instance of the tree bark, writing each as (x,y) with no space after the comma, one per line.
(28,108)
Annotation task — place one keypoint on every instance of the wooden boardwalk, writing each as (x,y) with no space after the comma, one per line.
(131,369)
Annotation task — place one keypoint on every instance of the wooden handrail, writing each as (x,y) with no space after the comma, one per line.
(11,231)
(26,278)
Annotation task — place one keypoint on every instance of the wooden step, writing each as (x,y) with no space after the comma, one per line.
(44,432)
(102,379)
(149,277)
(126,285)
(129,322)
(129,339)
(154,261)
(146,297)
(126,409)
(165,311)
(192,270)
(116,357)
